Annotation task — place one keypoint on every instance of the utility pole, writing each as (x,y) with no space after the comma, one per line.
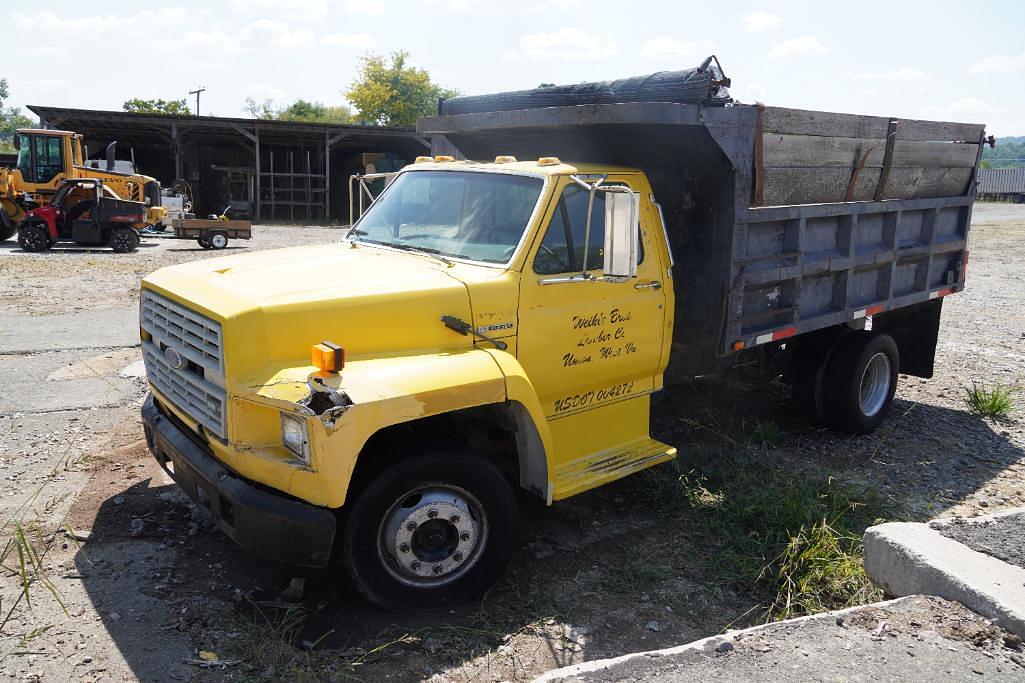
(196,93)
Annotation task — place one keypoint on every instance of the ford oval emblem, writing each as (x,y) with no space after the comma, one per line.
(174,359)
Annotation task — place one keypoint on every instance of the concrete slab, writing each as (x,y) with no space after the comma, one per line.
(82,330)
(915,638)
(906,558)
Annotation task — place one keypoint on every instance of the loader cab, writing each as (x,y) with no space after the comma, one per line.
(45,156)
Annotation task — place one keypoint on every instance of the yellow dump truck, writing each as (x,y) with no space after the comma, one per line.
(487,325)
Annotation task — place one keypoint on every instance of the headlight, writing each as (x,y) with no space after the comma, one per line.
(293,435)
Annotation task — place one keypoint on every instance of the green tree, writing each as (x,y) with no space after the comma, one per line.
(172,107)
(11,119)
(395,93)
(300,110)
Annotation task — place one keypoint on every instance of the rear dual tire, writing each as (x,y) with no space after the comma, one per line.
(851,387)
(124,240)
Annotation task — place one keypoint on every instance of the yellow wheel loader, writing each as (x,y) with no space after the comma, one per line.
(45,159)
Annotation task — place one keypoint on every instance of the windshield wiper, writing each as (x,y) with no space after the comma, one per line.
(426,250)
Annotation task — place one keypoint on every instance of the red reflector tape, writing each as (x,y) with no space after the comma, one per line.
(875,310)
(784,333)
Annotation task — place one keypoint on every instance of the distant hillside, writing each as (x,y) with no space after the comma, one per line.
(1008,153)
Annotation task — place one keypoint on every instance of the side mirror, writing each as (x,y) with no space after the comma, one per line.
(622,212)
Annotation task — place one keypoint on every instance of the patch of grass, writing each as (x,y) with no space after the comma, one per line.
(795,541)
(22,557)
(995,401)
(767,434)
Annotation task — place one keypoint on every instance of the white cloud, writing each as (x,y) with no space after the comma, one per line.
(759,21)
(308,8)
(566,43)
(805,46)
(358,40)
(263,32)
(905,74)
(370,8)
(1000,64)
(665,46)
(505,7)
(753,91)
(263,91)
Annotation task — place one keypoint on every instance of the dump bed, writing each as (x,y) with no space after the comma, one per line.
(781,221)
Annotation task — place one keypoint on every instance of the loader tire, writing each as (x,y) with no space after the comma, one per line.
(7,226)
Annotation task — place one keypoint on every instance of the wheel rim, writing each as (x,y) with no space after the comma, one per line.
(433,535)
(875,384)
(35,238)
(219,241)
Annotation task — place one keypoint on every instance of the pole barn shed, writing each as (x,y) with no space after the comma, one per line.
(286,170)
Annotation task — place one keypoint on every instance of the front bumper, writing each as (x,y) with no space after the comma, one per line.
(267,524)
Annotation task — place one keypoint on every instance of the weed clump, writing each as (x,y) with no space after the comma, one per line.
(996,401)
(796,541)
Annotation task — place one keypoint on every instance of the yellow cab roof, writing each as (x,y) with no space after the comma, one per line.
(46,131)
(532,166)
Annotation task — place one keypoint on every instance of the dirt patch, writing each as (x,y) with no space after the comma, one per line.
(38,284)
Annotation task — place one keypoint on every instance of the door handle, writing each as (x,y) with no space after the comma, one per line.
(654,284)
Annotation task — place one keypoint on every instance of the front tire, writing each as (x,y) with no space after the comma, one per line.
(430,531)
(860,381)
(33,237)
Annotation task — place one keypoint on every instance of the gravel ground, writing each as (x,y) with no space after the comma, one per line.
(597,576)
(1001,537)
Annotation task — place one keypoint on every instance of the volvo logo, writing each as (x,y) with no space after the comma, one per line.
(174,359)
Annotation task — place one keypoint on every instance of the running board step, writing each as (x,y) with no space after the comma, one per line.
(594,470)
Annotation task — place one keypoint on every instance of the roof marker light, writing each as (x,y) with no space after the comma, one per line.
(504,159)
(423,160)
(444,157)
(548,161)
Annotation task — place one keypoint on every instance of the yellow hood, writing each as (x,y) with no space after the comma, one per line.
(372,301)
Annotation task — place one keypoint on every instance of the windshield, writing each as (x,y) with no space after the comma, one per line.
(25,156)
(471,215)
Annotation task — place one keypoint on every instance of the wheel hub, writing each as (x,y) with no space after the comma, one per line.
(432,536)
(875,384)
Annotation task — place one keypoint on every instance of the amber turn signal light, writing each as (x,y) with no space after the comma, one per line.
(328,356)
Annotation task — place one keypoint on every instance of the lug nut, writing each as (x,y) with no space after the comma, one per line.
(454,519)
(458,557)
(465,536)
(414,565)
(411,526)
(404,548)
(432,513)
(437,569)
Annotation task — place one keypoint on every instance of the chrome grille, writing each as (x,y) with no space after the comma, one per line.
(201,400)
(192,334)
(195,338)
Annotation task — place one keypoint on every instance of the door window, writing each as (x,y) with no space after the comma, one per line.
(49,158)
(562,249)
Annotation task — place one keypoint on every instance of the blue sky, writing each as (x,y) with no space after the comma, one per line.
(939,60)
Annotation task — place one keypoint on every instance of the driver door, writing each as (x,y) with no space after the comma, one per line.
(593,348)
